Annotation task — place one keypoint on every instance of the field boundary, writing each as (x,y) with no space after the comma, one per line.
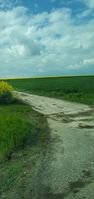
(44,77)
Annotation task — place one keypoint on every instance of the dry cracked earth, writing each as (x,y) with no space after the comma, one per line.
(67,168)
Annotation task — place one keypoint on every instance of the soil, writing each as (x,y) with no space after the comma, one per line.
(67,166)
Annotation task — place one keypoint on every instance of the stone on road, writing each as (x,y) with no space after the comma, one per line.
(67,169)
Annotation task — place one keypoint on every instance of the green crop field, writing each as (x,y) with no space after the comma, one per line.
(73,88)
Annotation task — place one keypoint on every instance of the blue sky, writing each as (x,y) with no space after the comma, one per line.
(46,37)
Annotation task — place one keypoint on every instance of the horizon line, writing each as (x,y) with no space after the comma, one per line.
(41,77)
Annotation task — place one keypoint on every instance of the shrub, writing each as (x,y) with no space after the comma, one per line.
(6,93)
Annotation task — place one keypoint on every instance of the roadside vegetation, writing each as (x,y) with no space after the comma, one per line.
(15,128)
(6,93)
(24,135)
(77,89)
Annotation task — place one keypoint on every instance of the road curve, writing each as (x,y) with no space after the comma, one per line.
(67,168)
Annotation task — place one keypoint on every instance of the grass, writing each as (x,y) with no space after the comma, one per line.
(18,127)
(80,97)
(24,135)
(15,128)
(76,88)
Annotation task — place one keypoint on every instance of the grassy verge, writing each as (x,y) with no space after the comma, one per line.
(80,97)
(24,135)
(18,127)
(15,128)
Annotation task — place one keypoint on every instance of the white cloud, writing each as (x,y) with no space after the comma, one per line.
(7,4)
(89,61)
(89,3)
(45,43)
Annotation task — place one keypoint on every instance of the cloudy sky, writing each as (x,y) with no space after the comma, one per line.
(46,37)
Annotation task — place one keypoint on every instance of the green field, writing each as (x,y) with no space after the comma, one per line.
(73,88)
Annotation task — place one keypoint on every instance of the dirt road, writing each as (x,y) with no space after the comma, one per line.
(67,168)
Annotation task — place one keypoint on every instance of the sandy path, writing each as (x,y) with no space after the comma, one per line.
(67,170)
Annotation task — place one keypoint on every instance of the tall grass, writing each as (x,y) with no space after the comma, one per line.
(24,135)
(15,128)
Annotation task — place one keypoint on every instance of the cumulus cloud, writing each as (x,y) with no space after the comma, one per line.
(7,4)
(89,61)
(89,3)
(45,43)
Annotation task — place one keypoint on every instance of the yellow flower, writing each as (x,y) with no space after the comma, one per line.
(5,88)
(6,93)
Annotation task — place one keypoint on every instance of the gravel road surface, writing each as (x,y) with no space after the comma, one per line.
(67,167)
